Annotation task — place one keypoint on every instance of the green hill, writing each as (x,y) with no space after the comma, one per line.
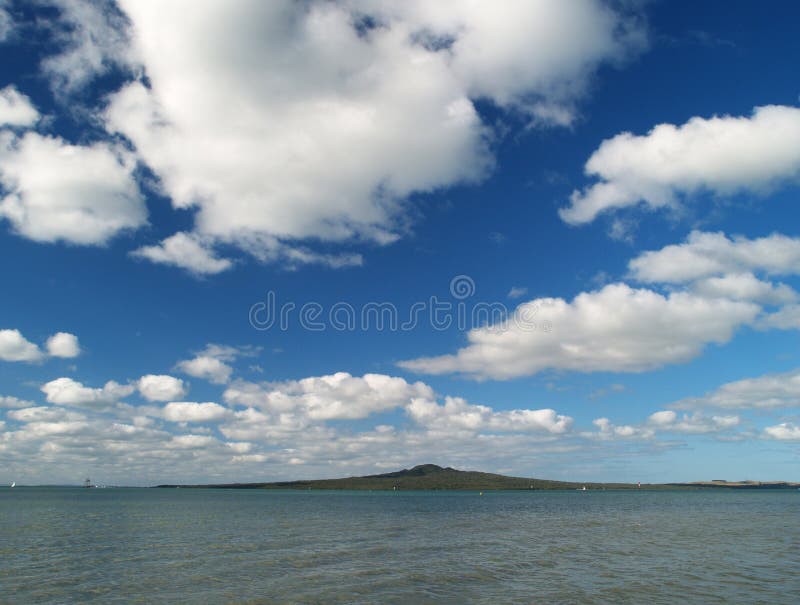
(422,477)
(433,477)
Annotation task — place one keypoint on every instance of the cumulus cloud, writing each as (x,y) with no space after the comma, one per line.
(786,318)
(336,396)
(15,347)
(92,36)
(14,402)
(536,55)
(454,430)
(65,391)
(456,414)
(723,155)
(785,431)
(46,423)
(275,410)
(191,441)
(208,368)
(745,286)
(282,122)
(706,254)
(186,251)
(160,387)
(63,344)
(188,411)
(617,329)
(240,447)
(55,191)
(6,22)
(607,430)
(45,414)
(714,265)
(286,424)
(212,363)
(670,421)
(768,391)
(664,421)
(251,424)
(16,108)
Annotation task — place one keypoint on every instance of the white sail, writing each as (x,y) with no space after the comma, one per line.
(13,484)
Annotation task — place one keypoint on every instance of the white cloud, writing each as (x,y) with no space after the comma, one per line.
(284,121)
(616,329)
(536,55)
(456,414)
(336,396)
(160,387)
(707,254)
(16,108)
(191,441)
(670,421)
(767,391)
(786,318)
(14,402)
(607,430)
(517,292)
(276,411)
(268,249)
(252,425)
(134,444)
(785,431)
(45,414)
(60,192)
(210,363)
(65,391)
(188,411)
(63,344)
(15,347)
(664,421)
(186,251)
(44,423)
(93,39)
(724,155)
(240,447)
(6,22)
(662,418)
(207,368)
(744,286)
(713,265)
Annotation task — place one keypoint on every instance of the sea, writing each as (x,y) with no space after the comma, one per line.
(139,545)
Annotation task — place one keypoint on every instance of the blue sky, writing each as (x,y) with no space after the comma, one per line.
(619,177)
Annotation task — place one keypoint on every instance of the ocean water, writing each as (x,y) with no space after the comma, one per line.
(61,545)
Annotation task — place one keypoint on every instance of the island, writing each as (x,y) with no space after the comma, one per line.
(434,477)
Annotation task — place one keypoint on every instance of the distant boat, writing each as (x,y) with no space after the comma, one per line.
(581,489)
(13,484)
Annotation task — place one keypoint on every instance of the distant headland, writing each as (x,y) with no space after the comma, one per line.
(434,477)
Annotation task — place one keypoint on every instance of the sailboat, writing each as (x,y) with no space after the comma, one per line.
(13,484)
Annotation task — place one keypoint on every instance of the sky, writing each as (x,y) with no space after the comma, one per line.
(251,241)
